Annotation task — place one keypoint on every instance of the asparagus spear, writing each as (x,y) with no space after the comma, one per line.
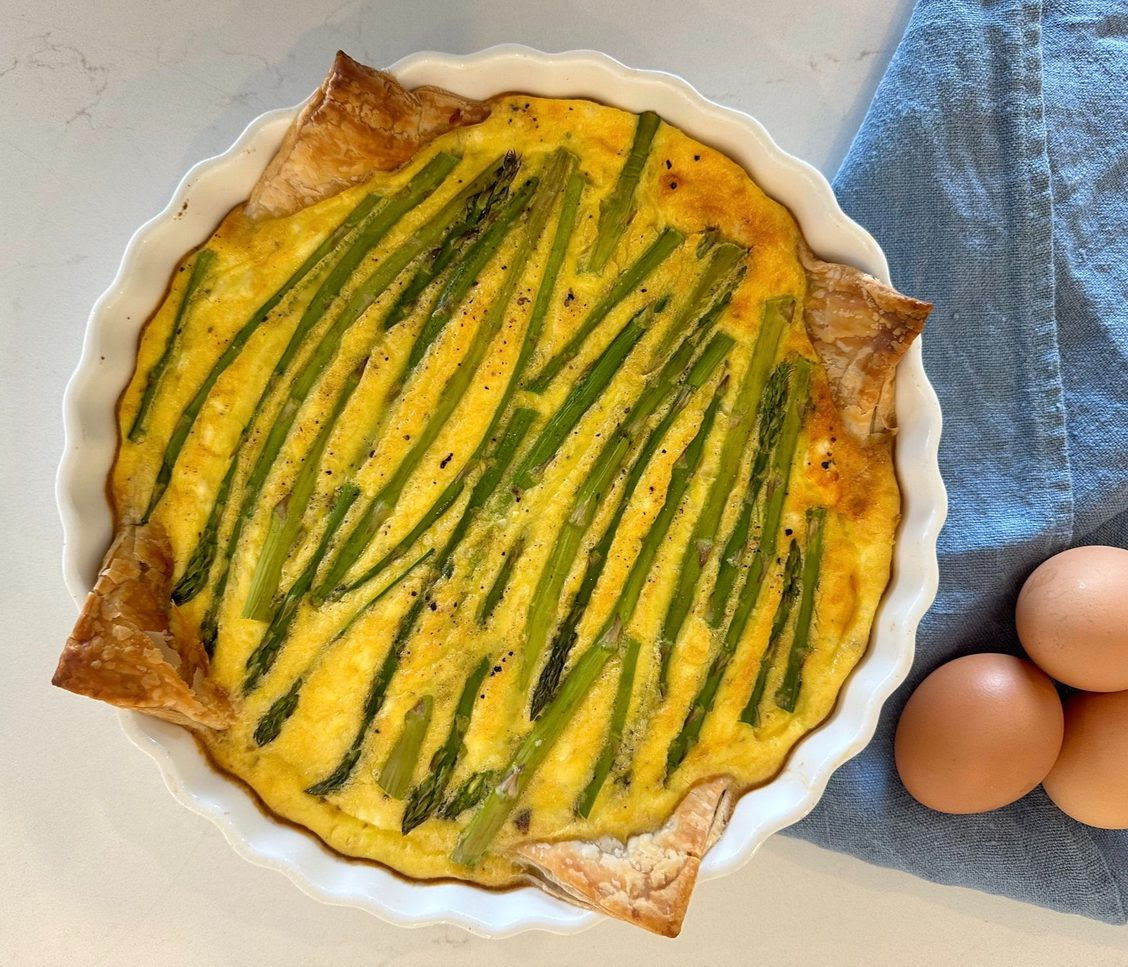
(286,517)
(772,514)
(497,460)
(469,794)
(772,411)
(264,580)
(776,315)
(497,590)
(551,582)
(395,777)
(269,567)
(370,234)
(751,713)
(426,797)
(714,288)
(788,692)
(200,267)
(371,706)
(566,164)
(546,596)
(560,168)
(374,700)
(187,418)
(446,500)
(658,251)
(376,283)
(487,822)
(381,506)
(717,281)
(270,724)
(502,797)
(465,274)
(617,210)
(493,186)
(615,732)
(565,636)
(502,457)
(262,658)
(682,475)
(195,575)
(587,389)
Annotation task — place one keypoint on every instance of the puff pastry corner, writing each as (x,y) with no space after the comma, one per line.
(128,634)
(860,328)
(359,121)
(648,880)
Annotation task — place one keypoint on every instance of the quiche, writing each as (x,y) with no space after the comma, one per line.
(502,490)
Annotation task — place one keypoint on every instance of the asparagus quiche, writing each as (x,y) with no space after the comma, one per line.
(503,489)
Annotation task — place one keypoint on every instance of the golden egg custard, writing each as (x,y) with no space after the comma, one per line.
(502,491)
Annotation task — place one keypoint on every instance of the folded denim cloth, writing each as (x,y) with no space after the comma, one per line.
(993,168)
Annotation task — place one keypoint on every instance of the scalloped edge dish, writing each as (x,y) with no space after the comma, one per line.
(206,194)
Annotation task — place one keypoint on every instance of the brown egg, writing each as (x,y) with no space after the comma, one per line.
(1089,781)
(1072,618)
(978,733)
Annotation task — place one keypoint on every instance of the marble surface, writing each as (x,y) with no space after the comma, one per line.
(102,108)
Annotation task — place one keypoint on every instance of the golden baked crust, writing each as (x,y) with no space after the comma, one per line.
(120,648)
(860,328)
(649,879)
(359,121)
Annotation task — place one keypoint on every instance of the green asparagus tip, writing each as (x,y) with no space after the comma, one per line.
(270,725)
(339,776)
(200,267)
(498,804)
(617,209)
(615,731)
(791,577)
(427,796)
(788,693)
(470,794)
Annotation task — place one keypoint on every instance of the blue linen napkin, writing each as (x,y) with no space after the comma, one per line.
(993,169)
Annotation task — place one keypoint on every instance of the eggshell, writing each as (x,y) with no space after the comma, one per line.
(978,733)
(1072,618)
(1089,781)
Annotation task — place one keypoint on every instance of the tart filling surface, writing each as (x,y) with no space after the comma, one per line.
(513,484)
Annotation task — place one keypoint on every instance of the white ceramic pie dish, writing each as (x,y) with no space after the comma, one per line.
(206,194)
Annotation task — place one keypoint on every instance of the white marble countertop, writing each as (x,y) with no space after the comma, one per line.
(102,107)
